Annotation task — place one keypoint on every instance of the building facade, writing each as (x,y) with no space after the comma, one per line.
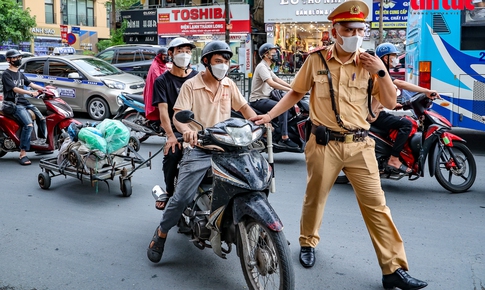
(77,23)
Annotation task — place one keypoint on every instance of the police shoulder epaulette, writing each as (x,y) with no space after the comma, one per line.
(318,49)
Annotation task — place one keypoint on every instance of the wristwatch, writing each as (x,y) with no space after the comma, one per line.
(381,73)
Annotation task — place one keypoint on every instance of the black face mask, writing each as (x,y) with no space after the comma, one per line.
(16,63)
(273,57)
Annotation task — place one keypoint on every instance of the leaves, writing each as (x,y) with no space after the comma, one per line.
(15,23)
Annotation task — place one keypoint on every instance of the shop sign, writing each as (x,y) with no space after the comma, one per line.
(136,39)
(140,22)
(285,11)
(43,31)
(64,30)
(394,14)
(232,37)
(203,20)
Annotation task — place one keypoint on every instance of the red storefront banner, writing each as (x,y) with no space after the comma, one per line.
(203,20)
(64,30)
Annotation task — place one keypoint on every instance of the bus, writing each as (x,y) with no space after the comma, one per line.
(445,51)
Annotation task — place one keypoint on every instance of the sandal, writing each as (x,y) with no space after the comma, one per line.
(155,248)
(24,160)
(162,201)
(402,169)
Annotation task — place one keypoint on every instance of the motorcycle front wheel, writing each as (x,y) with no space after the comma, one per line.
(448,174)
(265,257)
(138,119)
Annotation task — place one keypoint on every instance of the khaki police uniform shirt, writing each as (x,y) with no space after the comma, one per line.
(209,107)
(259,87)
(350,82)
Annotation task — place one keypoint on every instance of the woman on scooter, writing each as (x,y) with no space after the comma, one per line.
(387,52)
(13,82)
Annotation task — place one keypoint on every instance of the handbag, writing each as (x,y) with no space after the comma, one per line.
(9,107)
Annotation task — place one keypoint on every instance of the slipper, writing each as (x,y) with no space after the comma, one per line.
(402,169)
(24,160)
(162,201)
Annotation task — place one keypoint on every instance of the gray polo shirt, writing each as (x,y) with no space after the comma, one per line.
(259,88)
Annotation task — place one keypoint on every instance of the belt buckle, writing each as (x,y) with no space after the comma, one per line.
(349,138)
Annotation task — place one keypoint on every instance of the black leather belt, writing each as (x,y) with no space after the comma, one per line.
(346,137)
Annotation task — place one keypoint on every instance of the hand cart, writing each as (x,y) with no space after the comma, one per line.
(123,163)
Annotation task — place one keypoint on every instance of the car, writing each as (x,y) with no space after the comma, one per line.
(3,59)
(86,83)
(131,58)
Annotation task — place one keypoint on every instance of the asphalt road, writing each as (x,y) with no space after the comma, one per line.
(74,236)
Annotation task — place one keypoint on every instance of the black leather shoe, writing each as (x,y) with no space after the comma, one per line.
(401,279)
(307,257)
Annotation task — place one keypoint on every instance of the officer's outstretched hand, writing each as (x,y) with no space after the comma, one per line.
(261,119)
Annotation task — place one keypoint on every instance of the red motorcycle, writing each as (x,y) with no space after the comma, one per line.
(448,156)
(59,117)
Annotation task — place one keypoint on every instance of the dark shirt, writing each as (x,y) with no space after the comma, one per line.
(10,80)
(166,89)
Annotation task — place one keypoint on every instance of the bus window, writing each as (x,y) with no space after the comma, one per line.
(473,29)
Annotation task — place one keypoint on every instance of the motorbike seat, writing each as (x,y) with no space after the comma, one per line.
(137,98)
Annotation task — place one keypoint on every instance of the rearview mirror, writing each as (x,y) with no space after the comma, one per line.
(74,75)
(185,116)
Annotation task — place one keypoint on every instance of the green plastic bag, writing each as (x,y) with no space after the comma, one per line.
(92,139)
(115,133)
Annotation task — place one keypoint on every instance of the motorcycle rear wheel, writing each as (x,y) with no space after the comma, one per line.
(450,177)
(267,265)
(137,118)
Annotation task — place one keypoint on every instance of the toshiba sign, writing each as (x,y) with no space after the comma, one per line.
(202,20)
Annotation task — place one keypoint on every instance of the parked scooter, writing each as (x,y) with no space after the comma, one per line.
(298,115)
(60,116)
(132,113)
(448,156)
(232,205)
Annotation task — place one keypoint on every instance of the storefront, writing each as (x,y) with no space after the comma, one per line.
(202,24)
(141,26)
(394,23)
(298,26)
(46,39)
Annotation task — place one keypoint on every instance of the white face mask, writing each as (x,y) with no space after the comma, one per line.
(182,60)
(219,70)
(351,43)
(395,62)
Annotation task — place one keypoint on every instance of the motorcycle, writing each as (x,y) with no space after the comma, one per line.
(232,206)
(132,113)
(448,156)
(297,117)
(59,117)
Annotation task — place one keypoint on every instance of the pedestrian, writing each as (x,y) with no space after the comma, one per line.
(13,82)
(211,96)
(337,77)
(263,83)
(165,92)
(158,67)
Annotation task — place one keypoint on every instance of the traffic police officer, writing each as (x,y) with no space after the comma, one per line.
(339,141)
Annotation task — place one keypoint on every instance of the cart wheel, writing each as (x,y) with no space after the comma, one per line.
(44,180)
(74,158)
(125,187)
(134,143)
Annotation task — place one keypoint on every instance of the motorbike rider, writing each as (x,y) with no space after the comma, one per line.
(13,82)
(211,96)
(158,67)
(264,81)
(383,120)
(165,92)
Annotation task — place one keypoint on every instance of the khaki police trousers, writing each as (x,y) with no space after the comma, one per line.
(357,160)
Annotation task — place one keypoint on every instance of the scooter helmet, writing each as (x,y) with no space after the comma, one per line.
(163,50)
(216,46)
(12,53)
(265,48)
(385,49)
(178,42)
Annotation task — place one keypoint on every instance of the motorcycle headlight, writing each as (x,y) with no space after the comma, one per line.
(114,84)
(119,100)
(238,136)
